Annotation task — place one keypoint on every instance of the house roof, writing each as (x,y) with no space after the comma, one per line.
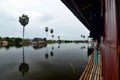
(37,39)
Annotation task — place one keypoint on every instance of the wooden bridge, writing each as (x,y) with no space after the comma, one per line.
(93,70)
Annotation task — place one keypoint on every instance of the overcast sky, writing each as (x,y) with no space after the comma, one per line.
(51,13)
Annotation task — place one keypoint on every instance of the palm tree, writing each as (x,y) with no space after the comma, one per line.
(51,31)
(83,36)
(58,37)
(52,36)
(46,29)
(24,19)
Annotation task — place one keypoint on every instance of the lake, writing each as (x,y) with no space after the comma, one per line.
(35,62)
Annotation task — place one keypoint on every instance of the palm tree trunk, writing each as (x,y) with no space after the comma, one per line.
(23,55)
(51,36)
(23,34)
(46,36)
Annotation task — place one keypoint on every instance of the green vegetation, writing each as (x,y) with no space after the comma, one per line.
(12,41)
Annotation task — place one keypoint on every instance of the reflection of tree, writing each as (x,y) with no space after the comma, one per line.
(52,48)
(51,53)
(24,67)
(7,47)
(18,45)
(10,45)
(46,55)
(59,45)
(83,47)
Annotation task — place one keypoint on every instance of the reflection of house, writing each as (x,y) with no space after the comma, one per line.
(38,40)
(38,46)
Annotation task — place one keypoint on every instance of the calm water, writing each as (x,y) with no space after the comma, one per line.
(54,62)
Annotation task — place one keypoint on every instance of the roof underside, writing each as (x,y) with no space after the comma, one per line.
(82,9)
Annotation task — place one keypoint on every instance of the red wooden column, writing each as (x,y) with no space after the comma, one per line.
(109,44)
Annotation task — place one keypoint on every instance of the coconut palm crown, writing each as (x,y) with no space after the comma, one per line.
(51,31)
(24,19)
(46,29)
(58,37)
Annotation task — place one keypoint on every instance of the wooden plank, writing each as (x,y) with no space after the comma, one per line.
(91,76)
(93,71)
(88,70)
(87,67)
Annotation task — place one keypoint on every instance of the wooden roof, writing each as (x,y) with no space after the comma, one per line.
(82,9)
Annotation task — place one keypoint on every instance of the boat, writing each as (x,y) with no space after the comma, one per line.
(102,19)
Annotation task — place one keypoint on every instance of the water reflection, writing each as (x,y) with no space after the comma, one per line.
(50,63)
(11,45)
(51,52)
(39,46)
(83,47)
(52,47)
(46,54)
(24,67)
(59,45)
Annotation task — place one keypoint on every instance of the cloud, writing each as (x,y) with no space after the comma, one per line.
(7,16)
(46,18)
(53,14)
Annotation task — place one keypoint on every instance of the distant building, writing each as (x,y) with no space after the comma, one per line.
(3,42)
